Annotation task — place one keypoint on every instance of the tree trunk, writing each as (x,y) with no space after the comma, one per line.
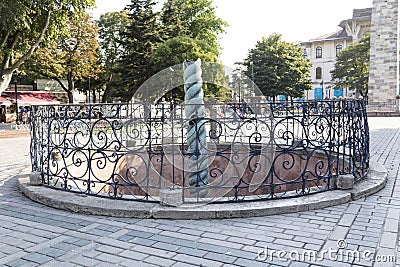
(71,86)
(94,95)
(107,91)
(70,97)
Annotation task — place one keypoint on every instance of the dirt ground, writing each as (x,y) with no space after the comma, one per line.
(13,133)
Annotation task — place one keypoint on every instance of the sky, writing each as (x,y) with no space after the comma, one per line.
(250,20)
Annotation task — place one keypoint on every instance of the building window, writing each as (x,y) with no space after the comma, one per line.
(339,49)
(318,73)
(305,53)
(318,52)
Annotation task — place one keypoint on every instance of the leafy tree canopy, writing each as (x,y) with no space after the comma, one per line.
(278,67)
(352,67)
(178,49)
(72,56)
(139,40)
(25,24)
(193,18)
(112,25)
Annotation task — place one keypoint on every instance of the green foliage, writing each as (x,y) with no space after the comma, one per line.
(178,49)
(278,67)
(25,24)
(195,19)
(111,27)
(139,40)
(352,67)
(73,56)
(190,29)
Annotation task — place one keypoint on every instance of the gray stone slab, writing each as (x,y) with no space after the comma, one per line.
(388,240)
(37,258)
(347,219)
(196,261)
(391,225)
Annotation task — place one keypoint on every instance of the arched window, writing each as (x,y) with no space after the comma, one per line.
(339,49)
(318,73)
(318,52)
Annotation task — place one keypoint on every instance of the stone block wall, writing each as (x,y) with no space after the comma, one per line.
(384,61)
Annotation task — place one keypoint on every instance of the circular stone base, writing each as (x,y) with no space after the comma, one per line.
(375,181)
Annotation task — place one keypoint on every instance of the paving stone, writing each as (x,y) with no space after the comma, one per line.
(192,252)
(385,257)
(299,264)
(109,249)
(64,246)
(159,261)
(290,243)
(214,236)
(154,251)
(84,261)
(7,249)
(16,263)
(166,246)
(347,220)
(109,258)
(245,262)
(51,252)
(131,263)
(220,243)
(388,240)
(196,261)
(191,232)
(142,241)
(241,240)
(182,264)
(391,225)
(219,257)
(140,234)
(339,232)
(37,258)
(133,255)
(185,243)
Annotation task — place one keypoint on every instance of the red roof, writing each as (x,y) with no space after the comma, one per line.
(4,101)
(33,98)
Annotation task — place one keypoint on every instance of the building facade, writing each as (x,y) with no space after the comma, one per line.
(323,51)
(383,88)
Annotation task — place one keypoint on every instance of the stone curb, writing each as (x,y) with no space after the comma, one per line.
(375,181)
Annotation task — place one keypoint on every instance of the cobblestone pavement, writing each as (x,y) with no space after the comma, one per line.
(31,234)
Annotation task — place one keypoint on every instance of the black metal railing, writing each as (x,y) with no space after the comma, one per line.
(254,151)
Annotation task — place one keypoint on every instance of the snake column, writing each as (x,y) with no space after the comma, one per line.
(196,132)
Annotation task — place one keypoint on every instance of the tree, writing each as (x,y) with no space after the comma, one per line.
(352,67)
(25,24)
(193,18)
(178,49)
(73,56)
(111,27)
(278,68)
(138,43)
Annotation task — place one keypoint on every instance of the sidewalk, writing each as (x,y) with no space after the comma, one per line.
(32,234)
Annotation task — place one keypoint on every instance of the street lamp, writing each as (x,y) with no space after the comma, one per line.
(15,78)
(88,99)
(170,87)
(252,77)
(329,91)
(322,84)
(239,79)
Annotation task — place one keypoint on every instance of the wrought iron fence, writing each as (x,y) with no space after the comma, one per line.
(254,151)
